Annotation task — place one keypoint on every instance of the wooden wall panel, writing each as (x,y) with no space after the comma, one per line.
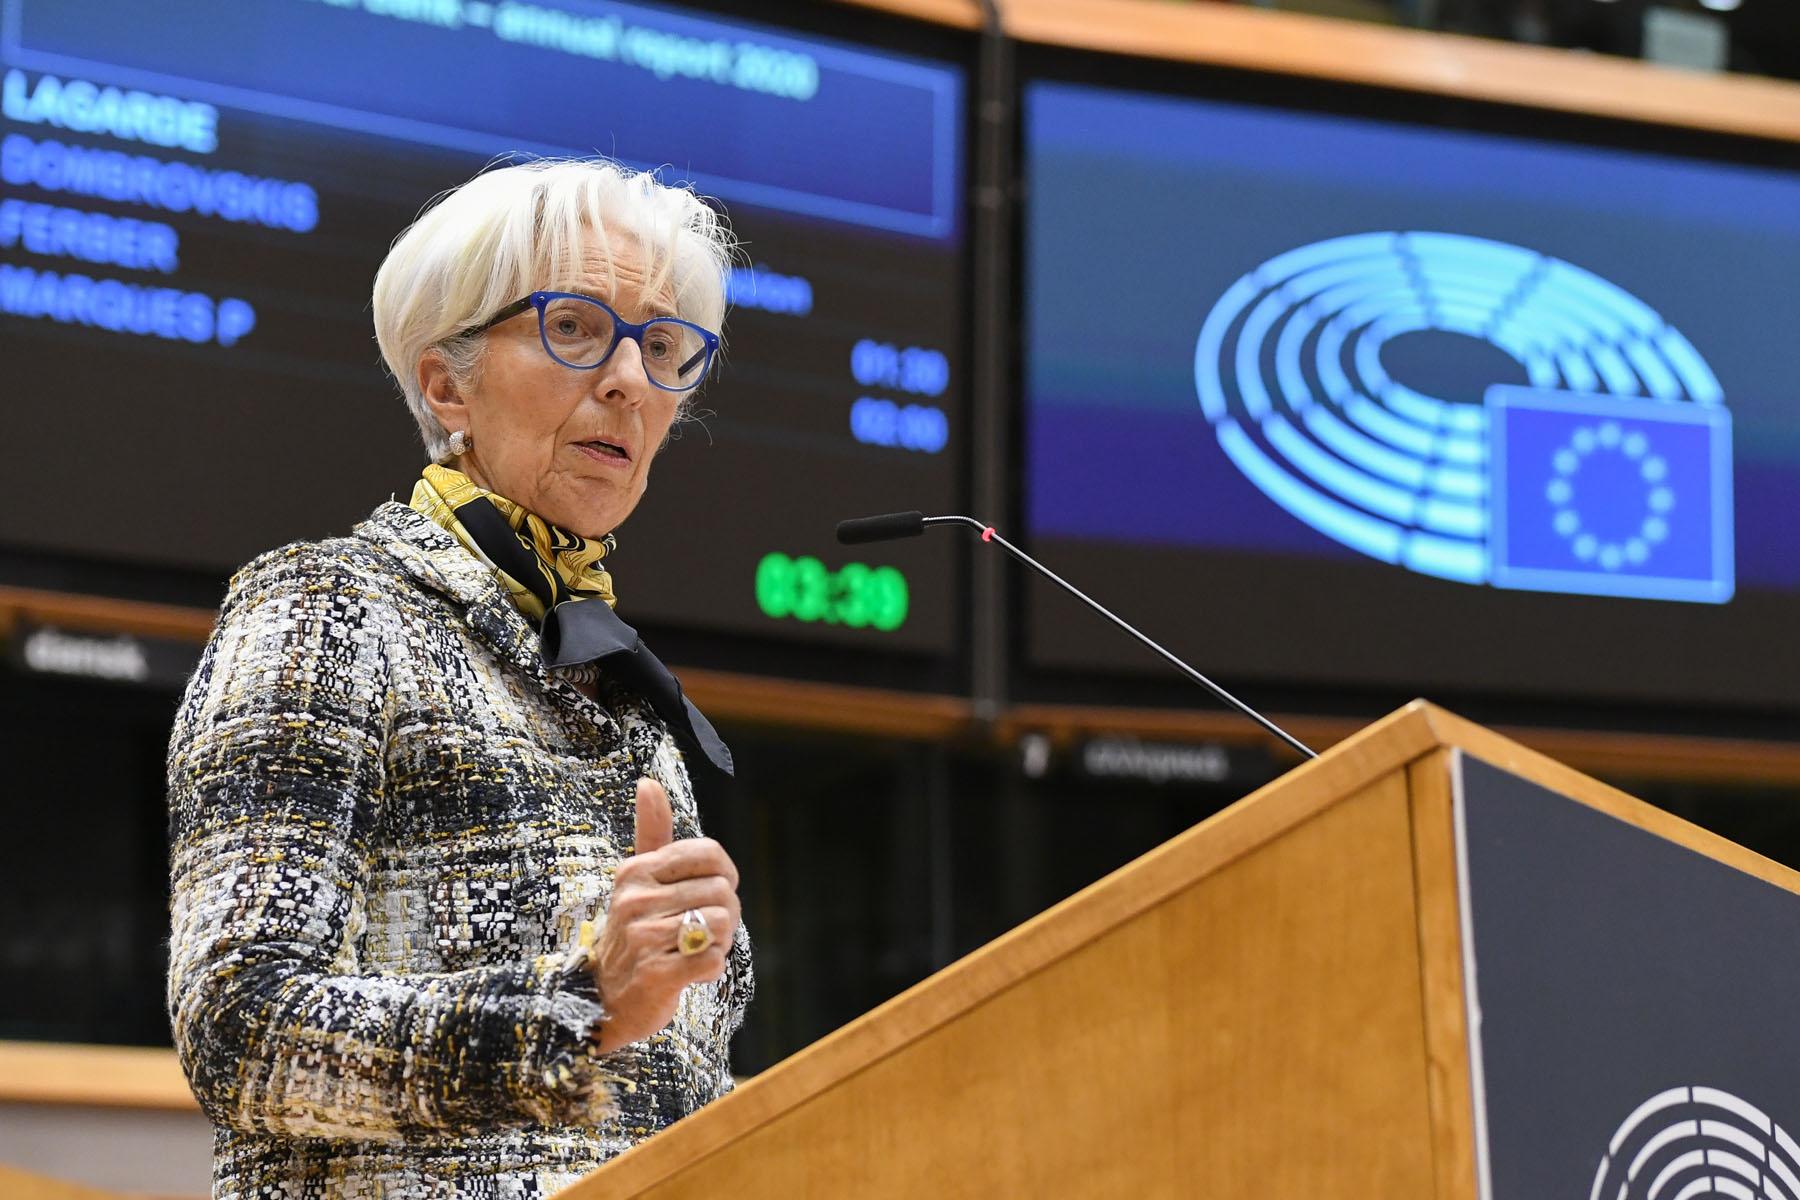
(108,1076)
(24,1185)
(1416,61)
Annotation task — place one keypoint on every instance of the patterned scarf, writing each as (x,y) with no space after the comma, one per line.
(542,565)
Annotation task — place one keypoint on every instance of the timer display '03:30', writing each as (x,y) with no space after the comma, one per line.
(855,594)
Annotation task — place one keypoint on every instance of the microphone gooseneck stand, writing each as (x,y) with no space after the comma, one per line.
(913,524)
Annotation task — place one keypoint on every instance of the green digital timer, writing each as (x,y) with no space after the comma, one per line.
(855,594)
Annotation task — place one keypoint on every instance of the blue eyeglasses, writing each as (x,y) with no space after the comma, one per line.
(580,332)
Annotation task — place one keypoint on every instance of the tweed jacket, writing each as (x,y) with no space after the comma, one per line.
(388,823)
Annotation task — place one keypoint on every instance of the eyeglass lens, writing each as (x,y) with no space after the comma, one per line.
(580,332)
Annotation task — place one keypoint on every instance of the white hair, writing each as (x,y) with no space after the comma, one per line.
(518,229)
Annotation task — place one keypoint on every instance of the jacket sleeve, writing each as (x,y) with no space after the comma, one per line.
(276,782)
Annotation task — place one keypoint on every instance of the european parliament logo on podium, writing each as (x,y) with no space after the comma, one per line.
(1610,495)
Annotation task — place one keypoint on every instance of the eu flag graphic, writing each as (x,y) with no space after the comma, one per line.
(1610,495)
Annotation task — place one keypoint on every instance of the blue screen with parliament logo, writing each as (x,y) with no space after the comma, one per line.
(1331,388)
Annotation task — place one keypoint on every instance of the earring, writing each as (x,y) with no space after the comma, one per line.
(459,443)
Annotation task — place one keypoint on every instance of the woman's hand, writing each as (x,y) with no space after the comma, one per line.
(640,972)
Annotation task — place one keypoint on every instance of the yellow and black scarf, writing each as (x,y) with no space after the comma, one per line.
(542,564)
(544,567)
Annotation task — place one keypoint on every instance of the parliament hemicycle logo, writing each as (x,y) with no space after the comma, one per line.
(1610,474)
(1698,1141)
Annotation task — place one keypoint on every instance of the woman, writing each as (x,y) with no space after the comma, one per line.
(443,923)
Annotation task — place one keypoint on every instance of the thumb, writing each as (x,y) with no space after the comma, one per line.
(655,823)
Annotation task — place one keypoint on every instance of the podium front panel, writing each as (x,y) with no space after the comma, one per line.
(1634,1006)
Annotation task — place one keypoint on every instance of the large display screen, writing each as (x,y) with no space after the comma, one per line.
(195,195)
(1329,399)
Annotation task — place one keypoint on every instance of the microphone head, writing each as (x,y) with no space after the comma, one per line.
(881,529)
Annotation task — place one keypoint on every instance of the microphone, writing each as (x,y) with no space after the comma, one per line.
(911,524)
(884,528)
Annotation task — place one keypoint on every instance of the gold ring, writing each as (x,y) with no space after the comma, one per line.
(692,935)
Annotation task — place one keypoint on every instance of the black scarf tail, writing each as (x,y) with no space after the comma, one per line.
(588,631)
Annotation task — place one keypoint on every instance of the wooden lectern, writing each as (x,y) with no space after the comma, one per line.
(1283,1002)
